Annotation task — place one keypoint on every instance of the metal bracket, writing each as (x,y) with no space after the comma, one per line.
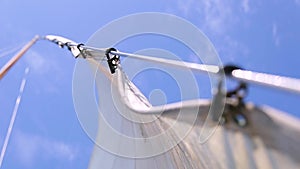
(112,60)
(238,94)
(79,47)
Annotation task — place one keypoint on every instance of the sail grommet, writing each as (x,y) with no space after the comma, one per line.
(112,60)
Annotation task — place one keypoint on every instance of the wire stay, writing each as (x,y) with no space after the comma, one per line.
(13,117)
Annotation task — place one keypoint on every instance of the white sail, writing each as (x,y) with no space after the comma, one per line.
(128,125)
(270,139)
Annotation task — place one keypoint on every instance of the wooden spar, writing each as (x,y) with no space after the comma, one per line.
(263,79)
(13,60)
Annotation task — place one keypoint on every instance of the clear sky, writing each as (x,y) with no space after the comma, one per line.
(258,35)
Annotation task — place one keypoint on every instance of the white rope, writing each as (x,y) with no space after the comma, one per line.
(13,117)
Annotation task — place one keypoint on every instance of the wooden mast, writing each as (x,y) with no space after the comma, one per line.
(13,60)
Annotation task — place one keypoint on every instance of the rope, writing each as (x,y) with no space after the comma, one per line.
(13,117)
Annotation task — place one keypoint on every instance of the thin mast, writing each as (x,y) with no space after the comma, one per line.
(13,60)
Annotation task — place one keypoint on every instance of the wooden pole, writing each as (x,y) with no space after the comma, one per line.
(13,60)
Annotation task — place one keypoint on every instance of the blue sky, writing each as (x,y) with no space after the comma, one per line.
(258,35)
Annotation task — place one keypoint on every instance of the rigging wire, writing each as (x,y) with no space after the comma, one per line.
(8,50)
(13,117)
